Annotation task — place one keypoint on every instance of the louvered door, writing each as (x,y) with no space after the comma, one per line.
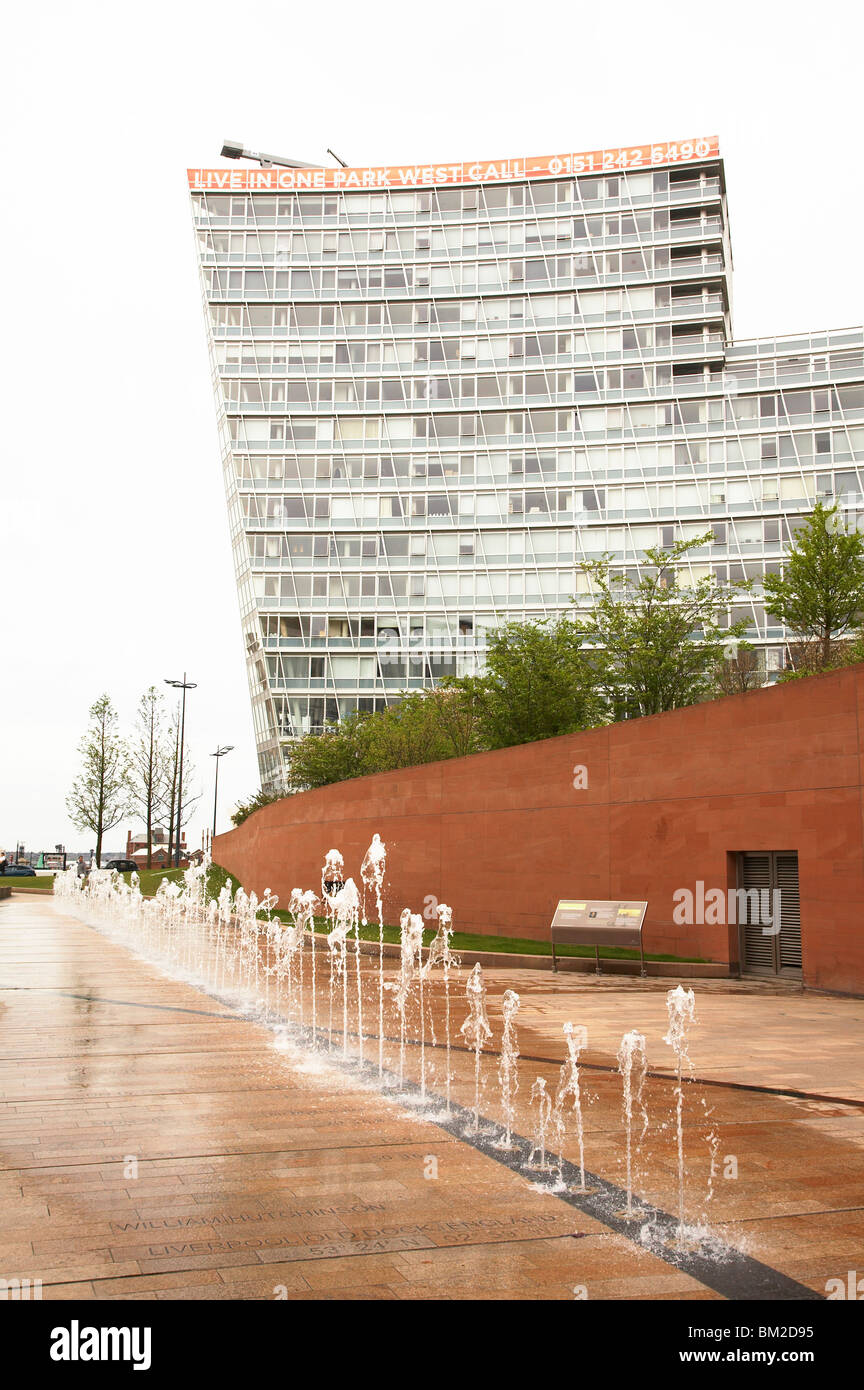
(758,954)
(789,941)
(776,953)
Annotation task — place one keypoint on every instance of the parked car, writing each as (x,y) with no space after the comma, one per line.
(123,866)
(19,871)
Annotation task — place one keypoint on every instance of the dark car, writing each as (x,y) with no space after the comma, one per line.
(123,866)
(19,871)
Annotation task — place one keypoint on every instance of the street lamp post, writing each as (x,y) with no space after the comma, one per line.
(234,149)
(183,685)
(220,753)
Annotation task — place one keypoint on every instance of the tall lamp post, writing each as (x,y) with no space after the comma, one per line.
(220,753)
(183,685)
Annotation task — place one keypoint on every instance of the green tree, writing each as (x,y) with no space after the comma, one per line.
(820,595)
(660,641)
(406,733)
(244,809)
(419,727)
(150,759)
(317,760)
(459,715)
(540,681)
(100,795)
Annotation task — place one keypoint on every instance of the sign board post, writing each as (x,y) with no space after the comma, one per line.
(598,922)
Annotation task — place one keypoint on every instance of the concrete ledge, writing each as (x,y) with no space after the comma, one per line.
(5,890)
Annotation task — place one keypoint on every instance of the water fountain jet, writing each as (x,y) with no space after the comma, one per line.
(507,1064)
(633,1066)
(476,1030)
(681,1008)
(372,872)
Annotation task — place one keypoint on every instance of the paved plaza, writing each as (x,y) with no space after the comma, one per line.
(154,1144)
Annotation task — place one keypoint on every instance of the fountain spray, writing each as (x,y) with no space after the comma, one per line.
(345,905)
(568,1085)
(476,1030)
(372,872)
(681,1006)
(507,1063)
(439,951)
(543,1100)
(633,1065)
(411,943)
(331,882)
(293,940)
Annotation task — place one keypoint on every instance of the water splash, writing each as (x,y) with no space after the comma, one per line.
(289,950)
(411,944)
(507,1064)
(345,906)
(331,882)
(541,1098)
(633,1066)
(372,872)
(306,911)
(224,914)
(269,927)
(220,945)
(332,879)
(476,1030)
(681,1008)
(568,1086)
(439,953)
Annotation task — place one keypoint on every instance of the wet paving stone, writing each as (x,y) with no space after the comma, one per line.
(155,1144)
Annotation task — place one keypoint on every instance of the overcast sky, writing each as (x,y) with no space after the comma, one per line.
(114,554)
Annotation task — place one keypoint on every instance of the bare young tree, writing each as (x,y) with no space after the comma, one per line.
(150,758)
(741,672)
(100,796)
(177,815)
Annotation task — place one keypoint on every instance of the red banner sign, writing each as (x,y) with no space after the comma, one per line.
(276,179)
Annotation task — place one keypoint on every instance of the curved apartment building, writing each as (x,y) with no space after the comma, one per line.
(442,388)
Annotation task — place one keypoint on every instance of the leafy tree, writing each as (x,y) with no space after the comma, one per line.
(100,795)
(540,681)
(660,641)
(651,645)
(317,760)
(244,809)
(420,727)
(150,759)
(405,734)
(459,715)
(820,595)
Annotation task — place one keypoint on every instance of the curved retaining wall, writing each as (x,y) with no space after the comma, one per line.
(669,802)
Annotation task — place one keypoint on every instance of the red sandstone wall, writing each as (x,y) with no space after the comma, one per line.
(502,836)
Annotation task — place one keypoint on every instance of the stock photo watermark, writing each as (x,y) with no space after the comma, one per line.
(77,1343)
(720,907)
(16,1290)
(851,1288)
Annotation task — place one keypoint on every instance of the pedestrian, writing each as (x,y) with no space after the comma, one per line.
(81,867)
